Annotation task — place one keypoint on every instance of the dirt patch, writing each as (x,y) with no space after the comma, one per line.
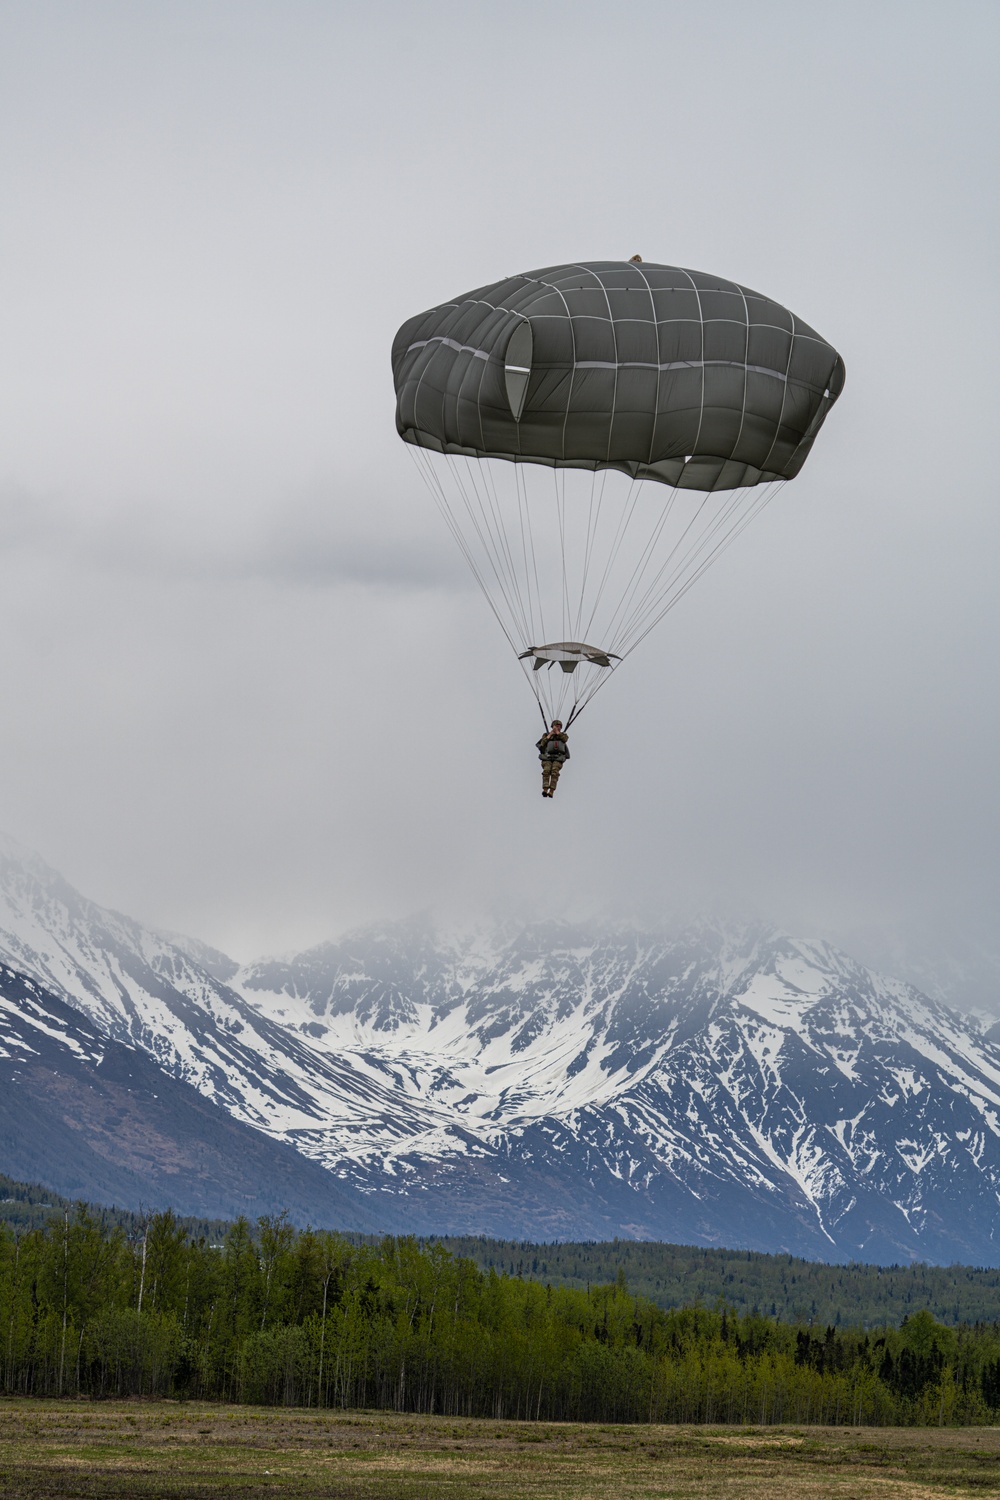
(166,1451)
(754,1440)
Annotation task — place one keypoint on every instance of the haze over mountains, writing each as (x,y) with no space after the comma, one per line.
(718,1086)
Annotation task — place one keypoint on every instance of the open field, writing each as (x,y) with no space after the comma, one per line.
(85,1451)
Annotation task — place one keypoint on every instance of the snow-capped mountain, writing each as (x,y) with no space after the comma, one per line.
(722,1087)
(145,990)
(94,1119)
(719,1086)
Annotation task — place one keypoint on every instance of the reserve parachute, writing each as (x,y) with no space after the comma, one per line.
(595,436)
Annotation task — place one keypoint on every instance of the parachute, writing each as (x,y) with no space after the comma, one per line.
(595,435)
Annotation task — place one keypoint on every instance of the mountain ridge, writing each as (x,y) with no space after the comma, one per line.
(100,1121)
(718,1085)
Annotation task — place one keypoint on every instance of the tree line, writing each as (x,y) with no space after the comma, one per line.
(779,1285)
(783,1286)
(274,1315)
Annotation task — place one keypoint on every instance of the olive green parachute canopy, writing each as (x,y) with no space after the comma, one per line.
(662,373)
(538,409)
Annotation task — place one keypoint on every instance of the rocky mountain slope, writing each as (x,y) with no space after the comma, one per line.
(719,1086)
(101,1121)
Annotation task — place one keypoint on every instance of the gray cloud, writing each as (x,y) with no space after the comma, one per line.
(249,690)
(301,541)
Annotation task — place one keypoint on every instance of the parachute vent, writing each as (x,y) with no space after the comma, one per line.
(517,368)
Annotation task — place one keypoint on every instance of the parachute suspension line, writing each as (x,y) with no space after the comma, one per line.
(593,521)
(656,584)
(628,511)
(493,518)
(650,537)
(522,494)
(718,536)
(749,515)
(433,483)
(571,622)
(638,572)
(521,596)
(567,607)
(514,599)
(481,527)
(484,511)
(588,685)
(754,510)
(426,470)
(682,559)
(493,531)
(525,536)
(760,498)
(495,551)
(560,499)
(536,690)
(508,574)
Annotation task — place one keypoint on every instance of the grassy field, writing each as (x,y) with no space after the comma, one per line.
(84,1451)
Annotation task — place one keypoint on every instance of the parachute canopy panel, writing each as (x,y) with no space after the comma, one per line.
(660,372)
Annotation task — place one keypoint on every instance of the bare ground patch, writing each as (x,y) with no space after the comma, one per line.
(156,1450)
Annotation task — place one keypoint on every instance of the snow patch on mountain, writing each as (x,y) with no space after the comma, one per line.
(723,1084)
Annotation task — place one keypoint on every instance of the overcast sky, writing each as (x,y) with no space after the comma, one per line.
(248,691)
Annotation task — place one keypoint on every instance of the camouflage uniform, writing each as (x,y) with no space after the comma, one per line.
(553,751)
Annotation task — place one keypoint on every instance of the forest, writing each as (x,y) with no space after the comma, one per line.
(274,1315)
(782,1286)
